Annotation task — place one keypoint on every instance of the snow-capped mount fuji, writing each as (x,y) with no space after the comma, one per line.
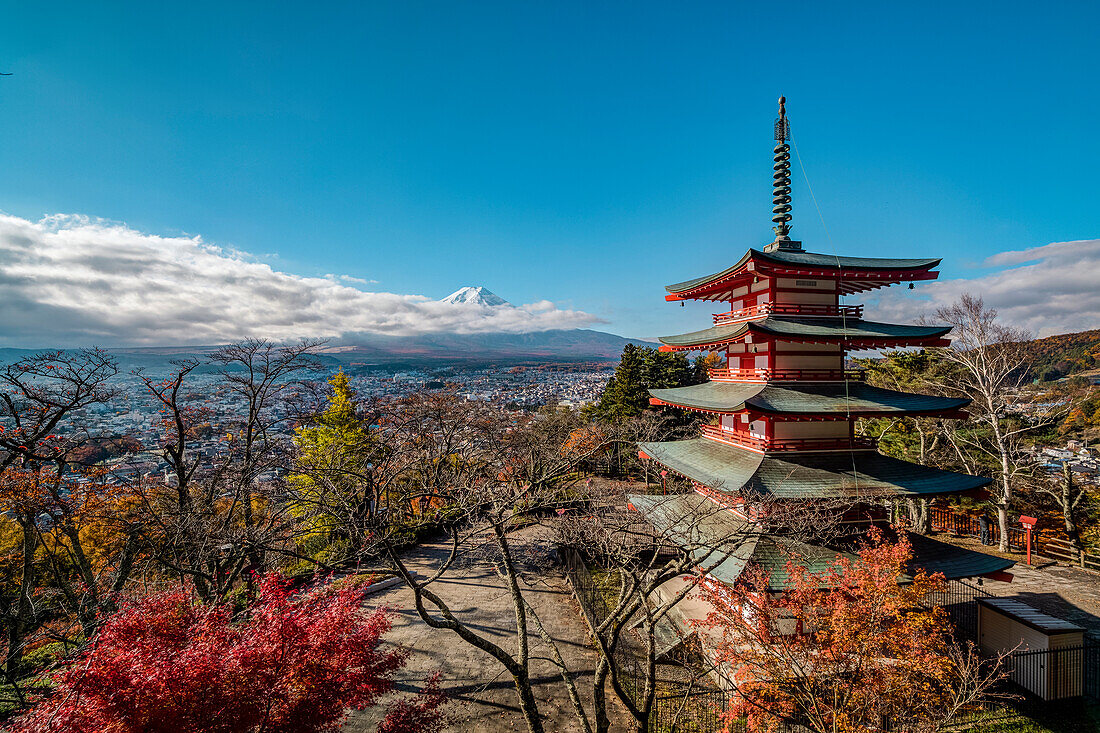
(471,295)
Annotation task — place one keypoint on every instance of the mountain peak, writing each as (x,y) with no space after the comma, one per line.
(475,295)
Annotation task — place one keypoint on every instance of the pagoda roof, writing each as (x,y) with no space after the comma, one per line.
(805,475)
(865,334)
(852,398)
(788,259)
(933,556)
(726,544)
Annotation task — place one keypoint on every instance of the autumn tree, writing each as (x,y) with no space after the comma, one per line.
(843,647)
(218,520)
(265,378)
(1071,499)
(295,662)
(989,357)
(648,568)
(477,474)
(40,397)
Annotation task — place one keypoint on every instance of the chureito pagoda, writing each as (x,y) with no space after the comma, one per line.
(785,407)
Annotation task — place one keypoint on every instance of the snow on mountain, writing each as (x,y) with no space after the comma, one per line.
(476,296)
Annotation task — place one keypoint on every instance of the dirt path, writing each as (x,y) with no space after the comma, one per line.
(483,696)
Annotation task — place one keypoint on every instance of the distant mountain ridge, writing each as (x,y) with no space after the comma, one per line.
(569,344)
(578,344)
(431,349)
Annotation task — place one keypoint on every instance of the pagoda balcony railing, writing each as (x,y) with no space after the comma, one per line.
(765,374)
(777,445)
(808,310)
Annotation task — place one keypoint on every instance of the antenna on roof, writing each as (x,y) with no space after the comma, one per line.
(781,185)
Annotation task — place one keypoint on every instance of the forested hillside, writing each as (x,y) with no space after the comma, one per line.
(1068,353)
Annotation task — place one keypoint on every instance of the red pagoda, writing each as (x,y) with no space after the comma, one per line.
(785,405)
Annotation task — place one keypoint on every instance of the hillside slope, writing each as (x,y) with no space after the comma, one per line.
(1068,353)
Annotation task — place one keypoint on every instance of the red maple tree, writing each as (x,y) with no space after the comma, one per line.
(291,663)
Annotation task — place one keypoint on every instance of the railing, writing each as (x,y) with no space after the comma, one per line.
(765,374)
(1066,551)
(964,525)
(745,440)
(790,309)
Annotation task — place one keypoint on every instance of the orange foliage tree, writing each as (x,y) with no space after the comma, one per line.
(841,649)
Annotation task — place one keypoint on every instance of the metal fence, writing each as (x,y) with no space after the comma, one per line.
(702,711)
(1057,674)
(958,599)
(1042,674)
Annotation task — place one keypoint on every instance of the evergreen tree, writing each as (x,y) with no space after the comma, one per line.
(640,370)
(702,366)
(331,453)
(664,370)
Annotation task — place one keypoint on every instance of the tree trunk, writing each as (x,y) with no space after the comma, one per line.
(1067,503)
(1004,501)
(599,695)
(19,622)
(918,515)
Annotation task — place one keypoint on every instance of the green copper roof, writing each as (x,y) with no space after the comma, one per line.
(805,399)
(934,556)
(724,544)
(809,259)
(805,475)
(807,328)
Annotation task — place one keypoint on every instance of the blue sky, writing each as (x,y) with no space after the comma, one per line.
(581,153)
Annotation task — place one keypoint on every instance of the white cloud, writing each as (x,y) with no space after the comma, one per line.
(68,280)
(1047,290)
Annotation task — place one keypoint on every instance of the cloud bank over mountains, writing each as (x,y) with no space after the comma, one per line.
(75,281)
(1047,290)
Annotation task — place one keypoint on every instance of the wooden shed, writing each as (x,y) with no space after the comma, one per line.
(1047,653)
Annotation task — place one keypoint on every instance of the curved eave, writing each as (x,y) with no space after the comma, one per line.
(840,474)
(933,556)
(837,401)
(852,334)
(856,273)
(724,545)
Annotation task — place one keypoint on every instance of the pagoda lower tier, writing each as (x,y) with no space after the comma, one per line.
(726,545)
(791,416)
(858,475)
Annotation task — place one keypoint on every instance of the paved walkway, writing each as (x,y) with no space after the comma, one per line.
(1065,592)
(483,696)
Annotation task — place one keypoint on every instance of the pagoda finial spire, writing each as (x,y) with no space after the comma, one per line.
(781,187)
